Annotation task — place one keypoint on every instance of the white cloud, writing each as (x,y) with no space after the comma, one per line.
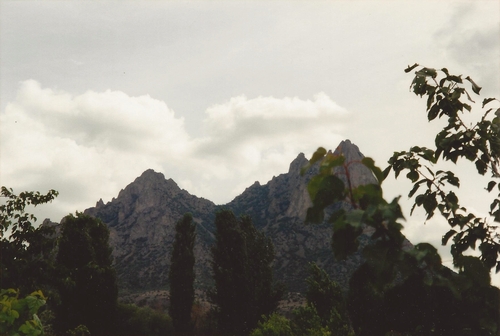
(251,140)
(91,145)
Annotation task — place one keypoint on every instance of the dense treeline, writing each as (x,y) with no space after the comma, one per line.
(61,281)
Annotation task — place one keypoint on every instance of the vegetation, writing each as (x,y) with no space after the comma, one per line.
(409,290)
(88,290)
(242,266)
(181,275)
(26,251)
(132,321)
(479,143)
(19,316)
(325,313)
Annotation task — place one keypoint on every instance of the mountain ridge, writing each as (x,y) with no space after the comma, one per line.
(142,218)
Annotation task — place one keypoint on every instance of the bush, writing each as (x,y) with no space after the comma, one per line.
(274,325)
(133,320)
(20,315)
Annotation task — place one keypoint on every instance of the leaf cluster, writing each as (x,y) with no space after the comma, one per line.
(19,316)
(478,143)
(390,262)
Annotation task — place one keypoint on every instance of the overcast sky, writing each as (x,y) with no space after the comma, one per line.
(218,95)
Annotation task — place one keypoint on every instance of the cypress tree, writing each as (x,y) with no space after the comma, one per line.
(88,290)
(242,267)
(181,275)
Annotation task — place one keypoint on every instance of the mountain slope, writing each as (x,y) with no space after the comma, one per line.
(143,216)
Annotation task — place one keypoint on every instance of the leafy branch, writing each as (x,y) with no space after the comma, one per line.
(479,143)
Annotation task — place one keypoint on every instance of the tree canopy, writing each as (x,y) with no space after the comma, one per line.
(445,298)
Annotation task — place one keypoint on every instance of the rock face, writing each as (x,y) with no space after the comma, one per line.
(142,221)
(142,225)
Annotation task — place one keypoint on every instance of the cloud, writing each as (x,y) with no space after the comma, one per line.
(473,43)
(250,140)
(249,128)
(90,145)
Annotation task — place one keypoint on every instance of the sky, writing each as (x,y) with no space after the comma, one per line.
(217,95)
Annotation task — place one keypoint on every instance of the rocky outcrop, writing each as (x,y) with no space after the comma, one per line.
(279,209)
(142,225)
(142,221)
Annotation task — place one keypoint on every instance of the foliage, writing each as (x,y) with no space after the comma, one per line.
(181,274)
(132,320)
(19,316)
(242,267)
(13,215)
(80,330)
(26,251)
(305,322)
(325,296)
(445,296)
(478,143)
(274,325)
(88,287)
(325,313)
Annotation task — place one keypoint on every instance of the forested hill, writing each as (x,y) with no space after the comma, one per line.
(142,217)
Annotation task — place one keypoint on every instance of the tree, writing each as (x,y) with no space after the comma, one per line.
(181,275)
(26,252)
(242,268)
(88,289)
(325,313)
(325,296)
(446,298)
(479,143)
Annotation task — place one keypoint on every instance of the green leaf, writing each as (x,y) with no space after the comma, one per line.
(344,240)
(318,155)
(368,162)
(476,88)
(488,100)
(414,189)
(331,161)
(447,236)
(430,204)
(491,185)
(413,175)
(429,72)
(481,167)
(355,218)
(456,79)
(410,68)
(433,112)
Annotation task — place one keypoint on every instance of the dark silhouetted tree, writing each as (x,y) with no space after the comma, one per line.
(88,289)
(242,267)
(181,275)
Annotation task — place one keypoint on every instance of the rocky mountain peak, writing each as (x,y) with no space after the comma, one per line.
(142,224)
(297,164)
(353,171)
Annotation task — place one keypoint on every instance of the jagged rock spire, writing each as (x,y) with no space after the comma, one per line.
(353,171)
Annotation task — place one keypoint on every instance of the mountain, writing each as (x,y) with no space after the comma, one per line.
(142,225)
